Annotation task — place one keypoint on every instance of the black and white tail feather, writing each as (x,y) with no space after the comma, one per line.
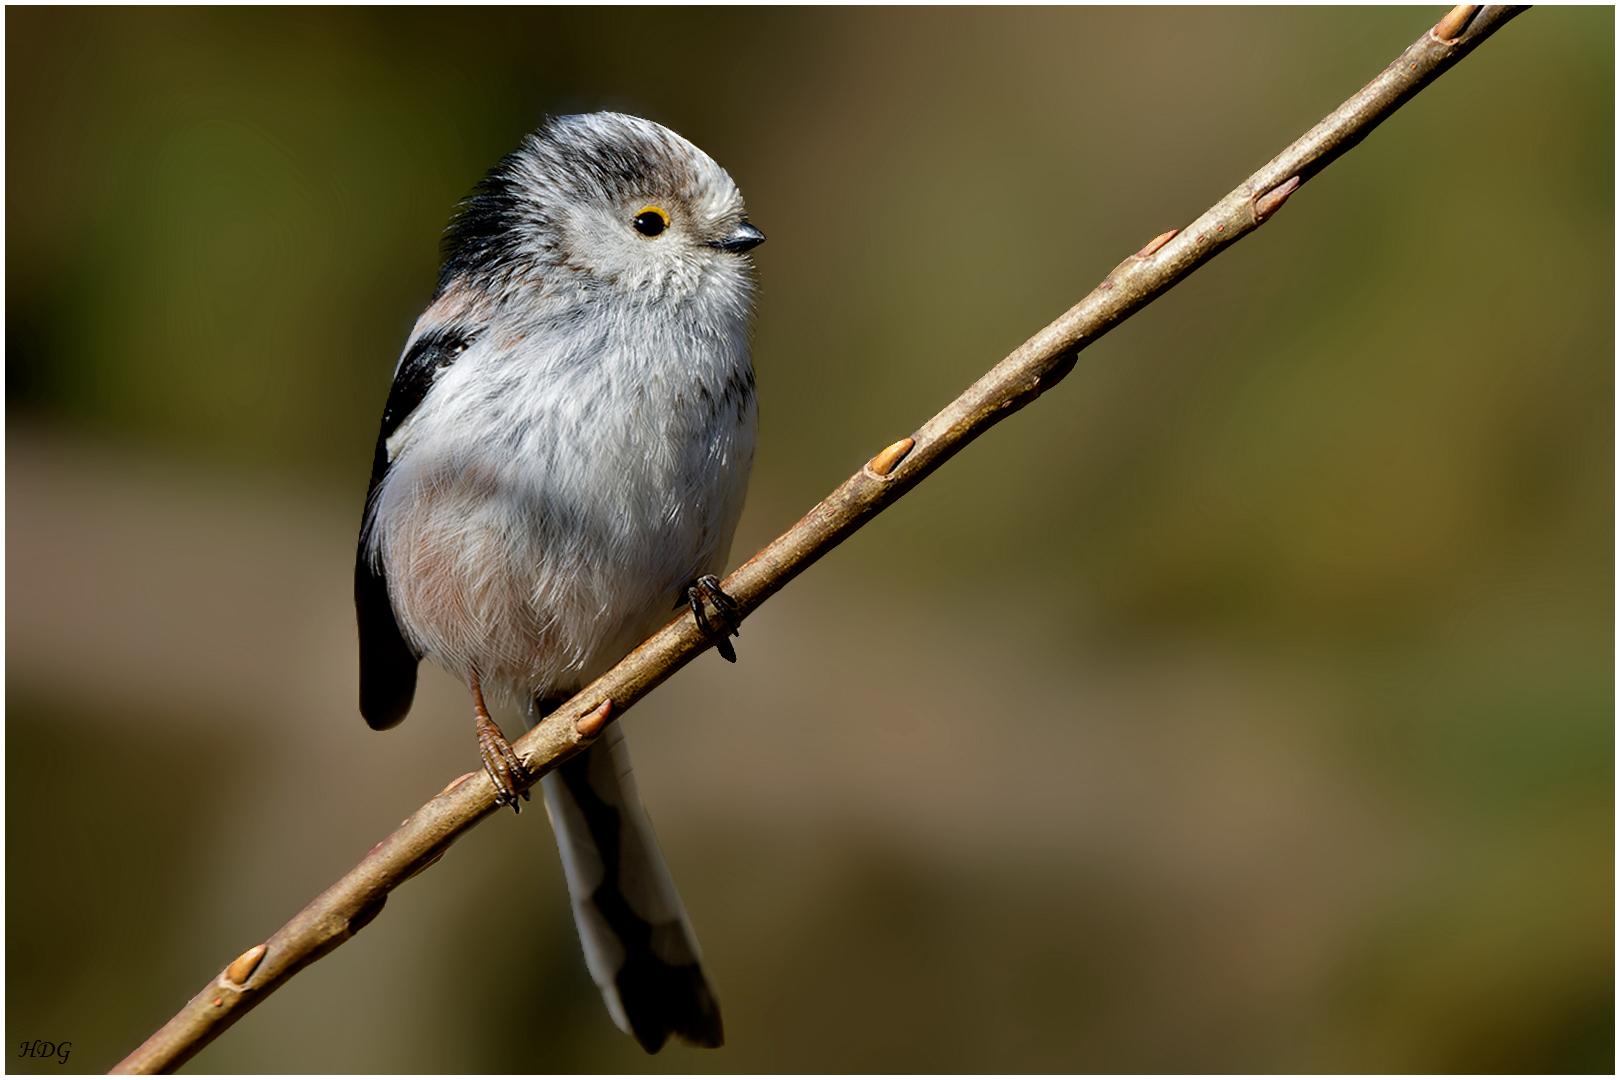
(639,944)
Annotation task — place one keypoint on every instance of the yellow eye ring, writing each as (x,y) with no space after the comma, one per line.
(650,220)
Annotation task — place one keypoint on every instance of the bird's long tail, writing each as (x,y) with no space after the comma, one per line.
(639,945)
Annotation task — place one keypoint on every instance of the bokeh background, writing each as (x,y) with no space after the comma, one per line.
(1244,704)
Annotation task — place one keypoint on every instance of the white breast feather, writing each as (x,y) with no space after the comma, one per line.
(556,489)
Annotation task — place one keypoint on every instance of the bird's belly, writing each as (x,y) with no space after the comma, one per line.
(536,590)
(463,586)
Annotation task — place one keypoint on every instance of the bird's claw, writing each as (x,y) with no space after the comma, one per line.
(727,614)
(506,770)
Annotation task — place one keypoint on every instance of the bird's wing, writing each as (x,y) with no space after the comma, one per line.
(387,661)
(638,943)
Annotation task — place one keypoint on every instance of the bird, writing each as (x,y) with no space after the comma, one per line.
(562,462)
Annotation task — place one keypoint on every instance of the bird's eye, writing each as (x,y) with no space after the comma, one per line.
(651,221)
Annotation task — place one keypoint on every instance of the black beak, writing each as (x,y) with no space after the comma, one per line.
(743,238)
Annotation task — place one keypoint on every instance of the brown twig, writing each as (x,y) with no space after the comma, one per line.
(342,910)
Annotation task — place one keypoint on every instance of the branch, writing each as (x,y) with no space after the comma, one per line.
(342,910)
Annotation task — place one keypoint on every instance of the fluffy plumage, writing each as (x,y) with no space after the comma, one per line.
(564,450)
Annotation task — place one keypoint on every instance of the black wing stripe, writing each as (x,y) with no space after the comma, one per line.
(387,661)
(428,355)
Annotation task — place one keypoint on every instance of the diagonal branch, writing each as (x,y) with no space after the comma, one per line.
(342,910)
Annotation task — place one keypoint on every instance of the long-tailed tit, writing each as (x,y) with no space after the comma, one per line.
(562,460)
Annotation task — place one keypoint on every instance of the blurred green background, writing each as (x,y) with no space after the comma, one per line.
(1245,704)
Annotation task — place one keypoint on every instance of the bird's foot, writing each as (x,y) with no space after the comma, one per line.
(727,614)
(502,763)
